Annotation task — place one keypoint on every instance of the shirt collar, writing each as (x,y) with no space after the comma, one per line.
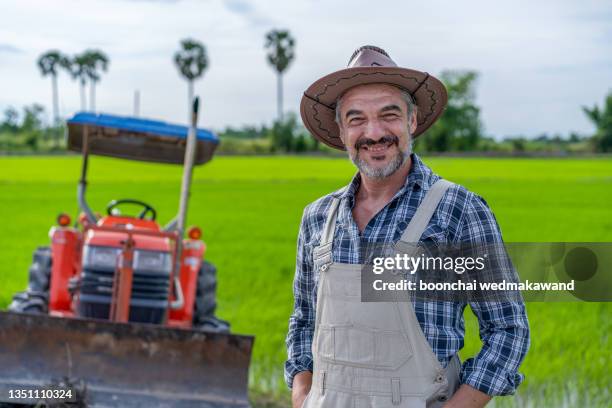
(420,175)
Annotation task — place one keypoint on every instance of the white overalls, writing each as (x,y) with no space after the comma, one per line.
(373,354)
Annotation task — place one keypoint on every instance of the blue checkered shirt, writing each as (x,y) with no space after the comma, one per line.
(461,217)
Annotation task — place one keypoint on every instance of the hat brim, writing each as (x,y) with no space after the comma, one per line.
(319,101)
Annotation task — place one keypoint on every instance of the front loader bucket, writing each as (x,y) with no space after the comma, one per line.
(122,365)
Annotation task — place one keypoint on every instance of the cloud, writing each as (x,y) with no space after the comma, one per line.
(9,49)
(155,1)
(246,10)
(239,6)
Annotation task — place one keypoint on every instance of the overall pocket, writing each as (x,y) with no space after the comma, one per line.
(362,346)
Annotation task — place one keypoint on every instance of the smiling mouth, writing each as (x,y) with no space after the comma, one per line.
(377,148)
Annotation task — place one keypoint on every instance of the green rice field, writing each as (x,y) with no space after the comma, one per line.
(249,209)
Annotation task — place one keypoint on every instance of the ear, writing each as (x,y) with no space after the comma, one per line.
(341,133)
(413,121)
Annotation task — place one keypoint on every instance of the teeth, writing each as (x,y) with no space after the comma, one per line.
(379,148)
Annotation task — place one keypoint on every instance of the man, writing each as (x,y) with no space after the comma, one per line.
(346,353)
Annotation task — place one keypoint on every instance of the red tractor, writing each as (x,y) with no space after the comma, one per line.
(119,310)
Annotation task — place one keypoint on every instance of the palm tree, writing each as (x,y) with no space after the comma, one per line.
(48,63)
(78,70)
(96,60)
(280,45)
(191,61)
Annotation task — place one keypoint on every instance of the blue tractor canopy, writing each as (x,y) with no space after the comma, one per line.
(137,139)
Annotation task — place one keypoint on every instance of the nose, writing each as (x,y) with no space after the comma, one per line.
(374,130)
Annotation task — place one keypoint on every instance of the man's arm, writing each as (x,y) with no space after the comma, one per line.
(298,367)
(504,328)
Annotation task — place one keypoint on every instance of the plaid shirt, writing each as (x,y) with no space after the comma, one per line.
(462,216)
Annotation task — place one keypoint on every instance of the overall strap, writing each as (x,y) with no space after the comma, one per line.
(426,209)
(322,254)
(327,235)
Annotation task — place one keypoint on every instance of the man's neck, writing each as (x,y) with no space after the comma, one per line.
(383,190)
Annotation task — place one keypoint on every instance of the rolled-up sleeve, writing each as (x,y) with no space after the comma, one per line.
(302,320)
(503,326)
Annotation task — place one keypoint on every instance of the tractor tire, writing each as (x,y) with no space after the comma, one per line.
(206,293)
(35,299)
(206,301)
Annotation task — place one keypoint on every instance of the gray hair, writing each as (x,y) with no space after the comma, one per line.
(405,96)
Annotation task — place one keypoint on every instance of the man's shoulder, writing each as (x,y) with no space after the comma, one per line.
(459,195)
(463,196)
(315,214)
(456,199)
(455,193)
(458,204)
(320,206)
(467,216)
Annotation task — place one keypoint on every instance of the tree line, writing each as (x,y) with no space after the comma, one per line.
(459,129)
(27,132)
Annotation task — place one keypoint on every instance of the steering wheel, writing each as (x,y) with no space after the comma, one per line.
(146,208)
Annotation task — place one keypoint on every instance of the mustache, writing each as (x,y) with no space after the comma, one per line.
(387,140)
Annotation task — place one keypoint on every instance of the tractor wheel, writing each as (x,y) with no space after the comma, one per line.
(206,293)
(36,298)
(206,301)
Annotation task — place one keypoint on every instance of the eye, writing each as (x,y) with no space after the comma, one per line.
(390,116)
(356,120)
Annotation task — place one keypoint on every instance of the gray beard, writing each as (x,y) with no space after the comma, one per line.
(382,172)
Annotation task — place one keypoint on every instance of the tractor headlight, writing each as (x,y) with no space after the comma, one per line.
(100,257)
(152,261)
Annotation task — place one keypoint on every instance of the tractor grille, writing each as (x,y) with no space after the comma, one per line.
(148,302)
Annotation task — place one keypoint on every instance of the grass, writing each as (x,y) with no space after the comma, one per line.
(249,209)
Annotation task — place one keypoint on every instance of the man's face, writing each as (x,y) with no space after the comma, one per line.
(375,127)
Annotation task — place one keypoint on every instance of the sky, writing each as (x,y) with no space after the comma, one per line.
(539,62)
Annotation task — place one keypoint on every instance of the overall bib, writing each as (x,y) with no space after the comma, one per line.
(373,354)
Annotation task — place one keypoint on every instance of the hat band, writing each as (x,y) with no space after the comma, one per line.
(333,108)
(319,102)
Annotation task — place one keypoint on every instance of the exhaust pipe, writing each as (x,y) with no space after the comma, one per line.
(190,150)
